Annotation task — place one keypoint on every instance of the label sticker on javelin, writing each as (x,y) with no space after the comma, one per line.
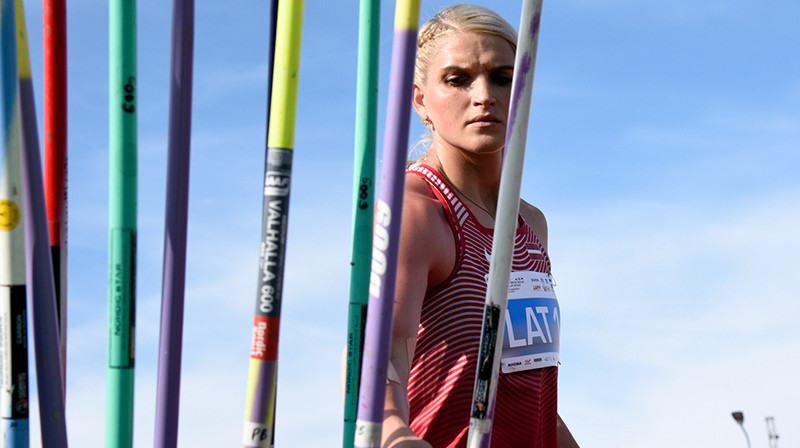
(531,338)
(14,341)
(122,290)
(278,175)
(10,215)
(257,435)
(264,345)
(274,224)
(368,434)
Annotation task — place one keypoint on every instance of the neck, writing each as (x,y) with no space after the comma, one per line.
(475,177)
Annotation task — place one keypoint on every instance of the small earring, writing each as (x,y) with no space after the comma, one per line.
(426,121)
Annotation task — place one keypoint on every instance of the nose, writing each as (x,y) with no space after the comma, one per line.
(483,93)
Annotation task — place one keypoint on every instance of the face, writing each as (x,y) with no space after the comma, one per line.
(466,92)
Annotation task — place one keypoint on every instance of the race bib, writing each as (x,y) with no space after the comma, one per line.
(532,323)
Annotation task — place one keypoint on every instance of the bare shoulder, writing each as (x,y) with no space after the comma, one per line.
(421,209)
(535,218)
(427,238)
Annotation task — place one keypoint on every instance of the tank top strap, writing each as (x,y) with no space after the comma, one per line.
(461,218)
(454,207)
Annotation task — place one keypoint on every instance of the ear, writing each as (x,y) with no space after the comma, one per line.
(418,100)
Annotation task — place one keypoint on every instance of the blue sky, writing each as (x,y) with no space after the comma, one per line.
(663,147)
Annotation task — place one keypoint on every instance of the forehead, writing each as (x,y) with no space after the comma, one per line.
(469,49)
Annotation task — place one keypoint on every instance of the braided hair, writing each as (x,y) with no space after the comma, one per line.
(458,18)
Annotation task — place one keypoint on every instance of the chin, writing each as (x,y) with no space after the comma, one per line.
(489,147)
(486,151)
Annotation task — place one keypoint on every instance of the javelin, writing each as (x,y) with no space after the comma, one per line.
(273,25)
(13,309)
(259,416)
(177,203)
(41,291)
(364,192)
(55,154)
(505,225)
(121,223)
(386,240)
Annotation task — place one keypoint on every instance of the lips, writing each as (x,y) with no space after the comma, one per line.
(485,120)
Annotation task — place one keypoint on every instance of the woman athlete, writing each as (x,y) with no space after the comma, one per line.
(462,88)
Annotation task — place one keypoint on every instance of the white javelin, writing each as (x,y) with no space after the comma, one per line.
(505,227)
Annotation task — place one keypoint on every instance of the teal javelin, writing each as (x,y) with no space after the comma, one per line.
(386,230)
(121,223)
(363,208)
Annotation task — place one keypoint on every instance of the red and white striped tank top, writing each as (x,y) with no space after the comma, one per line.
(443,369)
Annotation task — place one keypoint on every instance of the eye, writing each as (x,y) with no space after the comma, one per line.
(503,78)
(455,80)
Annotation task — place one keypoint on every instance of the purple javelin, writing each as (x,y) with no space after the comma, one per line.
(39,275)
(172,291)
(41,289)
(386,236)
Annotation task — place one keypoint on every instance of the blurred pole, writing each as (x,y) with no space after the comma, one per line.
(739,417)
(773,436)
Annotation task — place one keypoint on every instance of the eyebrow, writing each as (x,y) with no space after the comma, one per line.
(451,68)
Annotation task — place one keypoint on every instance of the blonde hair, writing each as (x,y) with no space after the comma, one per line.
(458,18)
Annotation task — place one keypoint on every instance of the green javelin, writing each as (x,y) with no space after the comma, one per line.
(364,193)
(122,222)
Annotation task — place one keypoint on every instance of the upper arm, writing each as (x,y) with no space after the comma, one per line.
(536,220)
(427,255)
